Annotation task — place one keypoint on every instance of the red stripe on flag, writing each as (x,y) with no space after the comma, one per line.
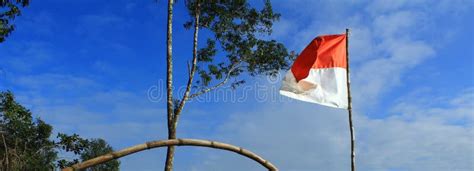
(326,51)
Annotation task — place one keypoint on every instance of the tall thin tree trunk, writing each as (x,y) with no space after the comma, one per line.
(173,123)
(169,87)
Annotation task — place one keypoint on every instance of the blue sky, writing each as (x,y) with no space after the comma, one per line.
(88,67)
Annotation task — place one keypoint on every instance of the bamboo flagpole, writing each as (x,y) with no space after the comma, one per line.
(349,104)
(317,75)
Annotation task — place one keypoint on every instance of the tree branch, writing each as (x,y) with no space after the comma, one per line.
(208,89)
(193,67)
(6,151)
(172,142)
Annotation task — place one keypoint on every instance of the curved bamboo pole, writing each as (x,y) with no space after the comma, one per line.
(172,142)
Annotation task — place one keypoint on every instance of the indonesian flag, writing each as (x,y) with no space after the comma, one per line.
(318,74)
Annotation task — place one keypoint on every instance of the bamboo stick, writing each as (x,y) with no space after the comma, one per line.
(349,103)
(172,142)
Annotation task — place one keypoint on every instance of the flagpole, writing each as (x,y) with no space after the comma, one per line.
(349,104)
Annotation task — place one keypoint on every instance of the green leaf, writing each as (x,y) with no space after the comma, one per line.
(237,30)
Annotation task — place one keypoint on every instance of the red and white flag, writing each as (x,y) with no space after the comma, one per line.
(319,74)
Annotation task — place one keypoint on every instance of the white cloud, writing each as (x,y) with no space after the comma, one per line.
(302,137)
(422,106)
(396,24)
(58,82)
(26,56)
(423,133)
(283,28)
(377,7)
(378,76)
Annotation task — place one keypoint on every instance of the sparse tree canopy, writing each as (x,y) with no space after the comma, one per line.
(96,148)
(239,43)
(9,9)
(25,142)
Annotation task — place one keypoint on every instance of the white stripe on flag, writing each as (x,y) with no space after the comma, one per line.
(325,86)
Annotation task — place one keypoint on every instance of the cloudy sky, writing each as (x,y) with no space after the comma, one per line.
(97,68)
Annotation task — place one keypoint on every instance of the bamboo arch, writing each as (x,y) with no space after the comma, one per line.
(172,142)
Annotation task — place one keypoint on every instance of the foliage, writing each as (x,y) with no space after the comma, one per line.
(9,9)
(96,148)
(26,144)
(71,143)
(239,31)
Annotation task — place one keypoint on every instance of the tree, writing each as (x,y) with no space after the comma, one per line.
(96,148)
(9,9)
(26,144)
(71,143)
(239,33)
